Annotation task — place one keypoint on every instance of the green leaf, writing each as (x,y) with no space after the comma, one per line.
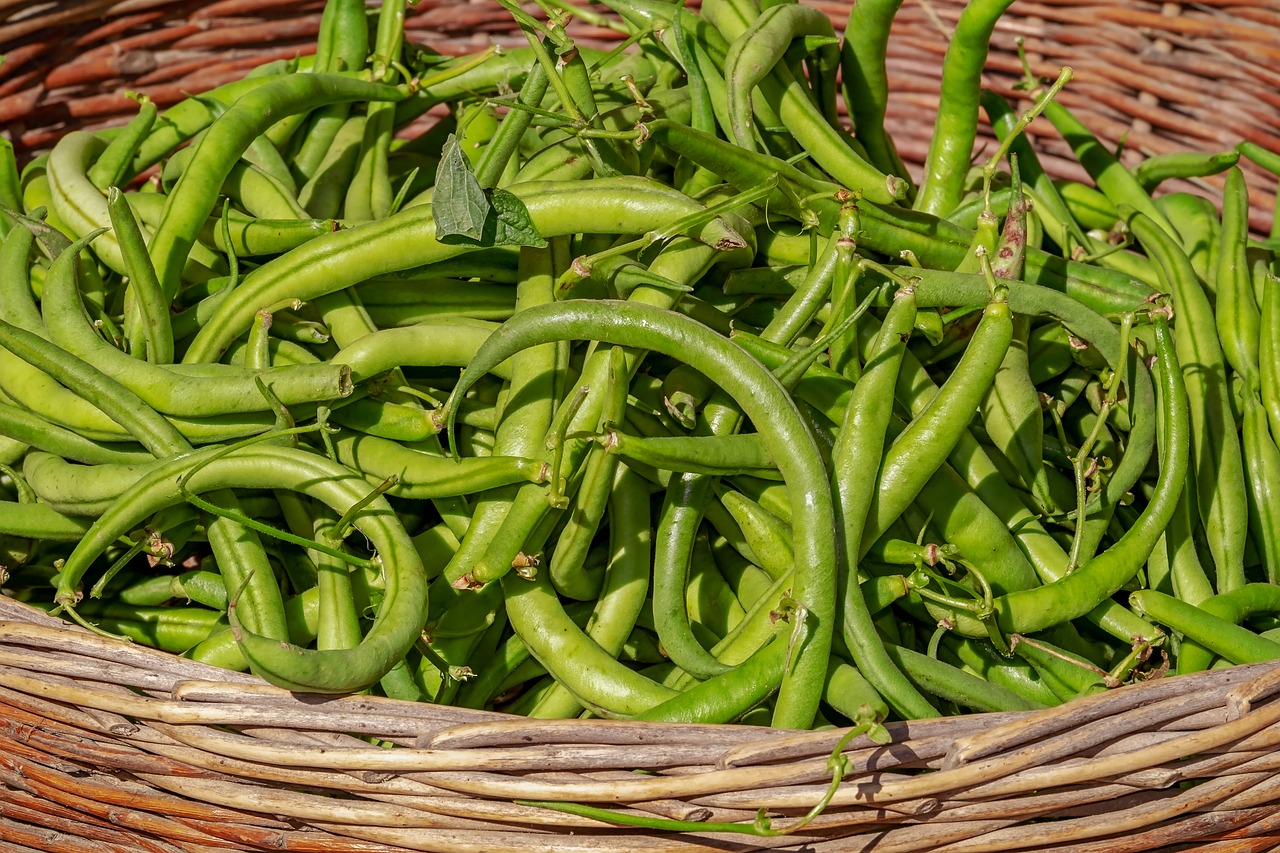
(458,204)
(512,224)
(52,241)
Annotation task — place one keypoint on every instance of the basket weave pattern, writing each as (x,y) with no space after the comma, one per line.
(111,747)
(104,743)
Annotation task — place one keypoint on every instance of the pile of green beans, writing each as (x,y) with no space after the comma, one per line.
(644,384)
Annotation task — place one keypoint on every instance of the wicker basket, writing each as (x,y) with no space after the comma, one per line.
(106,746)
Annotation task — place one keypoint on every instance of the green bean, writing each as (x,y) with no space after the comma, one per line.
(755,52)
(1236,311)
(947,682)
(202,587)
(1195,220)
(1222,637)
(176,391)
(246,573)
(112,168)
(322,194)
(720,456)
(1097,579)
(854,475)
(568,559)
(264,466)
(957,120)
(1011,408)
(17,305)
(1262,474)
(1087,206)
(38,521)
(865,83)
(1068,675)
(42,435)
(766,536)
(1110,176)
(655,329)
(424,475)
(113,399)
(193,198)
(1269,352)
(10,184)
(613,618)
(1155,170)
(420,345)
(343,46)
(148,320)
(1219,467)
(914,456)
(405,240)
(78,203)
(170,629)
(982,660)
(302,612)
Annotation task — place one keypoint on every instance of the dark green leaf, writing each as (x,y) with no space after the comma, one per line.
(512,224)
(458,204)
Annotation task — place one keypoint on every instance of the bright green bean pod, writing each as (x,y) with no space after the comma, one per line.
(568,559)
(113,399)
(1219,466)
(1067,674)
(111,169)
(250,237)
(1157,169)
(202,587)
(859,446)
(725,698)
(406,240)
(769,407)
(171,629)
(246,572)
(921,448)
(766,535)
(38,433)
(147,324)
(188,117)
(1195,221)
(177,390)
(1102,576)
(323,193)
(1236,311)
(719,455)
(403,609)
(421,475)
(1262,474)
(983,660)
(1087,206)
(419,345)
(10,183)
(38,521)
(1222,637)
(753,55)
(950,683)
(78,203)
(343,46)
(956,126)
(1269,352)
(626,582)
(17,304)
(864,81)
(1109,174)
(192,200)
